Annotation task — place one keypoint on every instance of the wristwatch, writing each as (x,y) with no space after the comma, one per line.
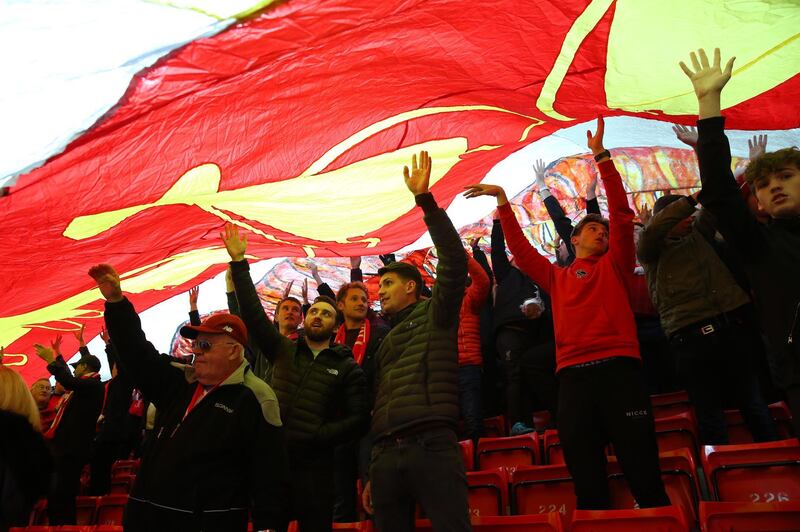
(604,153)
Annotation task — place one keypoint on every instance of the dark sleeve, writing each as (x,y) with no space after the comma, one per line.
(194,317)
(233,304)
(592,206)
(147,369)
(356,275)
(355,416)
(500,263)
(269,476)
(720,193)
(562,223)
(325,290)
(651,239)
(451,271)
(480,256)
(260,329)
(59,369)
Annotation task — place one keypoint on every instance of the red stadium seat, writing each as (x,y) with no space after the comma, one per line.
(74,528)
(664,519)
(670,404)
(122,483)
(468,454)
(747,517)
(508,523)
(85,510)
(39,513)
(553,454)
(783,418)
(110,509)
(543,489)
(130,467)
(541,420)
(107,528)
(495,427)
(488,492)
(679,473)
(508,452)
(34,528)
(755,472)
(677,432)
(361,526)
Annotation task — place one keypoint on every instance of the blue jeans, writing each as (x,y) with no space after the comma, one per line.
(469,398)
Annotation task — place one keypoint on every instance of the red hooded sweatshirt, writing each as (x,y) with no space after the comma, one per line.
(590,298)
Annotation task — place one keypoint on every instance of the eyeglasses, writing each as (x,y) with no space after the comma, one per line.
(205,345)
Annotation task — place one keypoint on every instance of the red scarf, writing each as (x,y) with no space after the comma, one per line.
(360,347)
(62,407)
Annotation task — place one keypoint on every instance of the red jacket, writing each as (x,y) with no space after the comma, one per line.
(469,325)
(590,298)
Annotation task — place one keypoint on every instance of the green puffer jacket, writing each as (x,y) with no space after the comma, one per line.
(323,400)
(417,362)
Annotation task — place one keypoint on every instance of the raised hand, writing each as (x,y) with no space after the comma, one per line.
(473,191)
(595,142)
(538,169)
(56,344)
(79,335)
(355,263)
(418,179)
(194,292)
(687,135)
(758,146)
(235,244)
(708,80)
(288,289)
(473,242)
(104,335)
(304,290)
(107,281)
(645,213)
(45,353)
(314,272)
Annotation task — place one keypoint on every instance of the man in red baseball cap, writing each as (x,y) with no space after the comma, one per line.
(219,455)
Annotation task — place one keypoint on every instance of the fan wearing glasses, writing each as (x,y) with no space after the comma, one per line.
(219,456)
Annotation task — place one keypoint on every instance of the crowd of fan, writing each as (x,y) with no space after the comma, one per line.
(272,421)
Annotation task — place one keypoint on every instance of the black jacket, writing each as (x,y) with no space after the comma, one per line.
(25,468)
(323,400)
(209,469)
(417,362)
(513,288)
(117,425)
(76,430)
(770,253)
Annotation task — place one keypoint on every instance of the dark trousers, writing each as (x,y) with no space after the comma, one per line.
(425,468)
(345,473)
(65,487)
(511,344)
(603,403)
(469,398)
(717,366)
(539,383)
(104,454)
(311,494)
(793,400)
(657,360)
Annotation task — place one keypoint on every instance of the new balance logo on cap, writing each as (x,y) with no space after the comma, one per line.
(227,328)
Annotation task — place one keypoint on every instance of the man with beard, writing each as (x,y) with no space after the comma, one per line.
(320,387)
(42,392)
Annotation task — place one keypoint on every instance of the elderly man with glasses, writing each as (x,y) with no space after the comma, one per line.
(219,454)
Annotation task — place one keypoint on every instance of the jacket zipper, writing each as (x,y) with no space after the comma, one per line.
(790,339)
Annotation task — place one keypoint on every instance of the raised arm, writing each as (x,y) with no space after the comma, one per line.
(720,193)
(451,271)
(500,263)
(262,331)
(480,256)
(527,258)
(149,371)
(57,367)
(194,315)
(620,214)
(356,275)
(230,294)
